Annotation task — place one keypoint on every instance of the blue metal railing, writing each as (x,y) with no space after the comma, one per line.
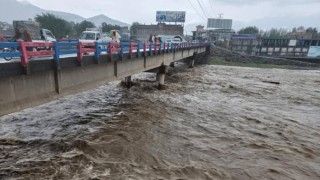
(65,48)
(12,50)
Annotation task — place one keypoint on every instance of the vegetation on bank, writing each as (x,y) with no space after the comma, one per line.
(280,33)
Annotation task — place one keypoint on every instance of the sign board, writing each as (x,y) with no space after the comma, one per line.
(314,51)
(219,23)
(171,16)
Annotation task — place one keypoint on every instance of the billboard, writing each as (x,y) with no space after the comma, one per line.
(219,23)
(314,51)
(171,16)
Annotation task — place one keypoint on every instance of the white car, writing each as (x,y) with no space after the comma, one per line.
(93,36)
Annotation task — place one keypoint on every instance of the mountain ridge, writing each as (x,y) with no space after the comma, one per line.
(30,11)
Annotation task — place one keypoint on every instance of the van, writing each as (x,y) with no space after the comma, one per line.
(92,35)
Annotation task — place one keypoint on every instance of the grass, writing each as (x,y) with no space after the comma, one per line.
(221,61)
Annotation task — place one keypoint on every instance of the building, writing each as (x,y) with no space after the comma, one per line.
(200,34)
(244,43)
(143,32)
(217,30)
(287,47)
(220,34)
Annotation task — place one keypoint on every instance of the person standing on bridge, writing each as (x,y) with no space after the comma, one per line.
(27,36)
(115,36)
(151,38)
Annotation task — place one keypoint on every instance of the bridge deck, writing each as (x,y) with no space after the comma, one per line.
(48,79)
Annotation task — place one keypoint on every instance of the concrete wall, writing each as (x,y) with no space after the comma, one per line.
(45,82)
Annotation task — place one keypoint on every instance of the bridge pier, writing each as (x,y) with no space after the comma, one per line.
(57,77)
(161,75)
(192,60)
(160,79)
(127,82)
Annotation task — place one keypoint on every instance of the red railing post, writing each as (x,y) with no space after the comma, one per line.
(155,48)
(110,48)
(79,54)
(24,55)
(130,49)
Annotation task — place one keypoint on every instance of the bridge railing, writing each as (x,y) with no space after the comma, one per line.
(101,47)
(85,48)
(35,49)
(9,50)
(57,49)
(64,48)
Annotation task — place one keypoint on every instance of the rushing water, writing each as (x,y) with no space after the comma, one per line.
(210,122)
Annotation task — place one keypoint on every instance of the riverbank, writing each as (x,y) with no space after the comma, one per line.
(221,56)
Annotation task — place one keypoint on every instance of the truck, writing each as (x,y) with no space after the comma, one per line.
(33,28)
(91,35)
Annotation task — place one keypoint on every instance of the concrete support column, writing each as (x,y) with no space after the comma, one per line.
(160,76)
(160,79)
(192,60)
(127,82)
(57,77)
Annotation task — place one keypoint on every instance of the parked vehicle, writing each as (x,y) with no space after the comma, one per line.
(33,28)
(93,35)
(178,39)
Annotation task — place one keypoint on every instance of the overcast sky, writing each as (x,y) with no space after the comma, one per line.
(144,11)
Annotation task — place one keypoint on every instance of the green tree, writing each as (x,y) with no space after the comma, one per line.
(276,33)
(108,27)
(133,28)
(59,27)
(249,30)
(80,27)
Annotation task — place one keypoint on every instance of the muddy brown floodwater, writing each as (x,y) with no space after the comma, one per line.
(211,122)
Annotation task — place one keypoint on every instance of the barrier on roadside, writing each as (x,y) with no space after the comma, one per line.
(9,50)
(134,47)
(35,49)
(146,49)
(101,47)
(27,50)
(114,48)
(157,48)
(64,48)
(85,48)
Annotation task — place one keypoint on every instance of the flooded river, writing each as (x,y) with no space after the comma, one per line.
(210,122)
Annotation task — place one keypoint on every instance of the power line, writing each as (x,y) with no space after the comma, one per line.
(196,10)
(214,12)
(205,9)
(202,9)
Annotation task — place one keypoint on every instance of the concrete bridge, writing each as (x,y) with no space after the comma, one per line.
(29,82)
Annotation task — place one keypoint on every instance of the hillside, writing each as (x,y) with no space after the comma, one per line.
(23,10)
(98,20)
